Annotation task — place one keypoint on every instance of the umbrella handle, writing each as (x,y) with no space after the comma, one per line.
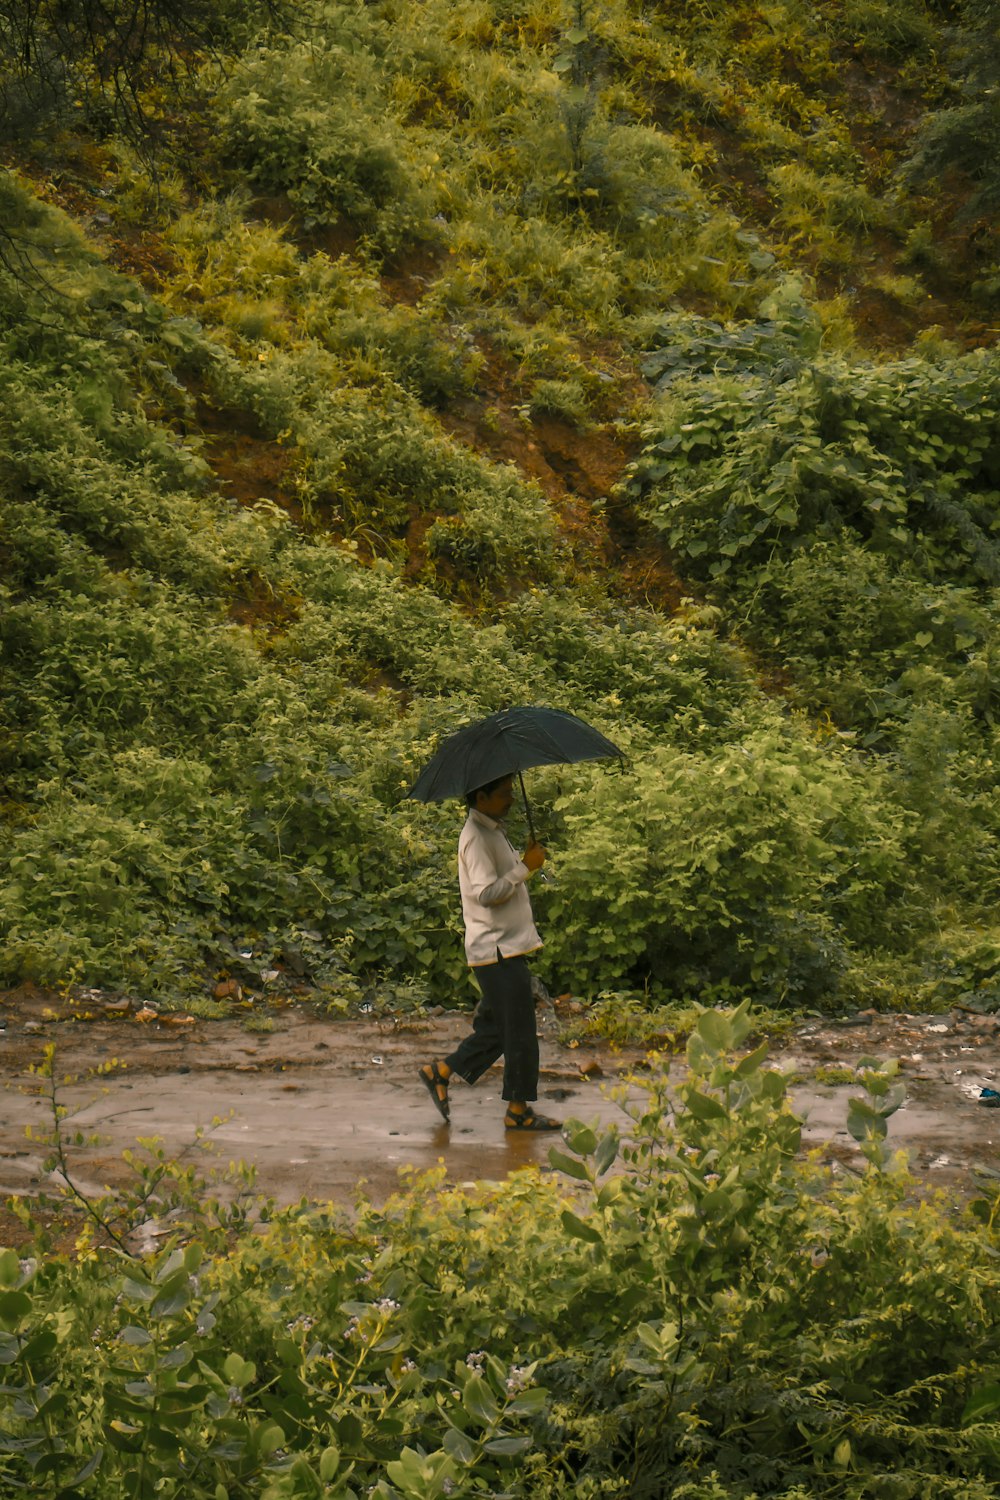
(527,810)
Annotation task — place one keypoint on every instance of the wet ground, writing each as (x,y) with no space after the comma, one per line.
(320,1106)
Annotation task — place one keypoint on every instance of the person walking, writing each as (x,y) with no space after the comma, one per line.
(500,932)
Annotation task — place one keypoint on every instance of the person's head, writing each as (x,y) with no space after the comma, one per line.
(494,798)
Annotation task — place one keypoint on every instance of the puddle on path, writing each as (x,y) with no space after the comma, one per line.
(320,1107)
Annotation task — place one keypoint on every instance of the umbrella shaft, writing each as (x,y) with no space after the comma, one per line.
(527,809)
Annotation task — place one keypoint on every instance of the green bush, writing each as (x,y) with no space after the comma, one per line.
(93,675)
(898,455)
(864,637)
(756,865)
(671,673)
(313,121)
(847,517)
(687,1309)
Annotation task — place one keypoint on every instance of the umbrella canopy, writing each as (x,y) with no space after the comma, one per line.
(506,743)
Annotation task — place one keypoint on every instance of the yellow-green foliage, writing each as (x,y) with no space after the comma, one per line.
(374,231)
(682,1308)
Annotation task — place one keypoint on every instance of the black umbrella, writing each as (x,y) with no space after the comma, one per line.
(505,744)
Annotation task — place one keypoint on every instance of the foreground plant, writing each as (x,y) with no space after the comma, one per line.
(688,1310)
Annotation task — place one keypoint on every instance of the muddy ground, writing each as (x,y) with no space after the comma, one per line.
(320,1105)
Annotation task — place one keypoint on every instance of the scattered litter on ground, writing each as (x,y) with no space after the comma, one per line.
(312,1106)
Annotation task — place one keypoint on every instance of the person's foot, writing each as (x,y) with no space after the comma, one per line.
(523,1117)
(434,1077)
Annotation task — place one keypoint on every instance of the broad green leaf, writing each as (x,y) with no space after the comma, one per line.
(606,1153)
(715,1029)
(981,1404)
(329,1463)
(238,1371)
(529,1403)
(508,1445)
(349,1431)
(583,1141)
(44,1343)
(864,1122)
(703,1107)
(611,1190)
(751,1062)
(480,1402)
(266,1438)
(568,1164)
(14,1306)
(459,1446)
(579,1229)
(135,1335)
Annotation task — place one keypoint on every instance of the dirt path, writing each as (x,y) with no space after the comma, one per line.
(319,1106)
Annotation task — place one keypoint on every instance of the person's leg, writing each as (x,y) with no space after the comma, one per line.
(470,1060)
(504,1024)
(484,1043)
(520,1047)
(514,1007)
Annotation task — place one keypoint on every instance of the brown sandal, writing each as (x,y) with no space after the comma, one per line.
(527,1120)
(433,1079)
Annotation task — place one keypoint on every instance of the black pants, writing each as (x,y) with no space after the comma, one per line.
(503,1025)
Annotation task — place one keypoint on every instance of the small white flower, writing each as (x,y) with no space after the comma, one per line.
(518,1379)
(712,1178)
(475,1360)
(304,1322)
(387,1305)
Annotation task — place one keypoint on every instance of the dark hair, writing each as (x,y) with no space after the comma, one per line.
(486,789)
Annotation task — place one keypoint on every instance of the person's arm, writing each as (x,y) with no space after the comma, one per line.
(484,884)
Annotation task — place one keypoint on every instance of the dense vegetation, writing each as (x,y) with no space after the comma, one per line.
(274,517)
(365,367)
(706,1321)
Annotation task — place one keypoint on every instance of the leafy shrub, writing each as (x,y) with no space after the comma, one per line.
(688,1310)
(899,455)
(669,673)
(98,674)
(313,121)
(750,866)
(375,465)
(504,529)
(75,451)
(249,279)
(893,30)
(88,892)
(848,516)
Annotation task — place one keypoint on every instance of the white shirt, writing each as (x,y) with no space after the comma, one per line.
(495,902)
